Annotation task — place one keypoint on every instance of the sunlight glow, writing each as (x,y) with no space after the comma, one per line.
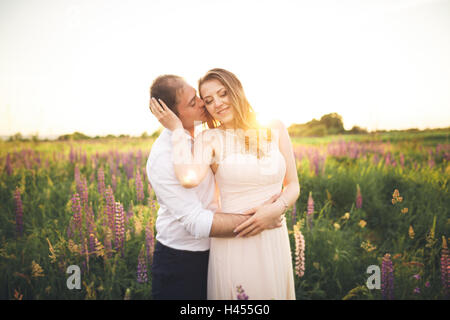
(87,66)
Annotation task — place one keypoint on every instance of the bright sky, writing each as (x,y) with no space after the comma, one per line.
(87,66)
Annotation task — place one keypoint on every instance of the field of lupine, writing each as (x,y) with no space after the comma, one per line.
(365,200)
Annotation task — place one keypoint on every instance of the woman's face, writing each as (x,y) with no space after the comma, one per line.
(217,101)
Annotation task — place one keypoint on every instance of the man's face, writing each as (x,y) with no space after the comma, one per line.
(190,107)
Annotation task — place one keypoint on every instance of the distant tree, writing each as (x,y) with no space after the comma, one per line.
(357,130)
(17,137)
(35,137)
(73,136)
(333,122)
(144,135)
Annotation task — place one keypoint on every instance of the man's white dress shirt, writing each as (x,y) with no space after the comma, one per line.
(185,215)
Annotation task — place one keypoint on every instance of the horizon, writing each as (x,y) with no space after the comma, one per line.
(117,135)
(86,66)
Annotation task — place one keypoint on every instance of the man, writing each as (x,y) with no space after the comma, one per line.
(187,217)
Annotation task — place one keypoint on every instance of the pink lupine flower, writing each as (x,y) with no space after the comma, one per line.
(299,252)
(77,175)
(417,290)
(358,197)
(19,212)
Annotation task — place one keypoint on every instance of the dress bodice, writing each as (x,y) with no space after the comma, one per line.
(246,181)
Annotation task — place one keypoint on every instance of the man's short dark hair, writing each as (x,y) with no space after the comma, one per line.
(166,88)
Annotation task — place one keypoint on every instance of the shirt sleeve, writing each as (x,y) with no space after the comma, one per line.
(183,203)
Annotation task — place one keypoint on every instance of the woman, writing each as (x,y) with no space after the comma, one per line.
(251,164)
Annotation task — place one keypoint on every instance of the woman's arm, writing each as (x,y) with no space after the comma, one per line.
(268,216)
(190,169)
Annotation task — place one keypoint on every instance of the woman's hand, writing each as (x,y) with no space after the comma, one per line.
(267,216)
(164,115)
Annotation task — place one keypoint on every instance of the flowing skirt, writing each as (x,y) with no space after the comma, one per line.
(261,264)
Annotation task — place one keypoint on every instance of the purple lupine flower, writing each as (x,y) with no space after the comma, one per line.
(19,213)
(417,290)
(139,187)
(310,210)
(84,195)
(427,284)
(445,267)
(77,177)
(241,293)
(72,156)
(90,225)
(142,276)
(358,197)
(110,207)
(8,165)
(119,224)
(149,242)
(416,276)
(77,213)
(387,278)
(101,181)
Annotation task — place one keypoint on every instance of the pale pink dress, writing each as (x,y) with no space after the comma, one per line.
(261,264)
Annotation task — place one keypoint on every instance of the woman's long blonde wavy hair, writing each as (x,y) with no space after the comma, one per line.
(244,115)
